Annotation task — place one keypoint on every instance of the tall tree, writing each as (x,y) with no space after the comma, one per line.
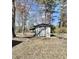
(63,20)
(13,18)
(48,8)
(23,8)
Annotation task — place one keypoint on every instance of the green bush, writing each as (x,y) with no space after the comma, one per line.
(53,29)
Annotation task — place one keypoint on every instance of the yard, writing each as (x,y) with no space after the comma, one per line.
(39,48)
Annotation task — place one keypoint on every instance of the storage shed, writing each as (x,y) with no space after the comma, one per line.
(42,30)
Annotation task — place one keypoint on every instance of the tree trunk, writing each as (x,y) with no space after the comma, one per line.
(23,24)
(13,19)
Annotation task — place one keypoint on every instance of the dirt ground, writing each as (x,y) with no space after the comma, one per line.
(39,48)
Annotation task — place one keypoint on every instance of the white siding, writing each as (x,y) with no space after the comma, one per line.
(37,31)
(47,31)
(43,31)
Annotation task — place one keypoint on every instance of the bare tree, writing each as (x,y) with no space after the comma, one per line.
(22,7)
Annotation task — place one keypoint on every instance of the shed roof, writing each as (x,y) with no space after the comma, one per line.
(41,25)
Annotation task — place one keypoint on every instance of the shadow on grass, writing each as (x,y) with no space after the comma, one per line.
(52,35)
(15,42)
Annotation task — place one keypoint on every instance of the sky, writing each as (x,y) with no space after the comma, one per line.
(34,14)
(35,11)
(56,16)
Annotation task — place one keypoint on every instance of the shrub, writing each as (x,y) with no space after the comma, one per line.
(61,30)
(53,29)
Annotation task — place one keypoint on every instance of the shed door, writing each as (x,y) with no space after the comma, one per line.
(42,31)
(47,31)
